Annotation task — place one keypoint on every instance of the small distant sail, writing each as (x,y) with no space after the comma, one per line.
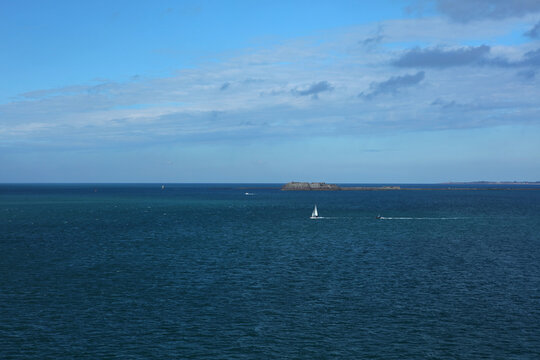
(162,187)
(315,213)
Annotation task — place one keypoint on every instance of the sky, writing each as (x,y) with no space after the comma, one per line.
(393,91)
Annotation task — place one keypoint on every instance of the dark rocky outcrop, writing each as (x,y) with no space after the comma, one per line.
(322,186)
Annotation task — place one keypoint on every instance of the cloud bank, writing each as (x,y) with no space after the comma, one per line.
(442,58)
(392,85)
(314,89)
(471,10)
(269,92)
(534,33)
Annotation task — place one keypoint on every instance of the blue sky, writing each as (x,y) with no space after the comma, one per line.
(269,91)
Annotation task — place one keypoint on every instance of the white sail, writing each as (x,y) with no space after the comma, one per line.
(315,213)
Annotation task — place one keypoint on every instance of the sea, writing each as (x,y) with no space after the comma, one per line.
(240,271)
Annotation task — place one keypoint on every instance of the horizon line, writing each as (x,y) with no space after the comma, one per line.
(277,183)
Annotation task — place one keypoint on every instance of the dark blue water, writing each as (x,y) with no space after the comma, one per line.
(205,271)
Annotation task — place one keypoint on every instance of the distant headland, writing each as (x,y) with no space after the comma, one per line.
(483,182)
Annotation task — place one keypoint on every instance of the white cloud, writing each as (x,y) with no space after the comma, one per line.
(193,104)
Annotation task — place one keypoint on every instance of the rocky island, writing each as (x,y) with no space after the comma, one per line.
(306,186)
(322,186)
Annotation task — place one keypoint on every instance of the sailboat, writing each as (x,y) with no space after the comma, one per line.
(315,214)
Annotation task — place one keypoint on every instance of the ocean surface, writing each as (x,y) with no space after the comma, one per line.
(127,271)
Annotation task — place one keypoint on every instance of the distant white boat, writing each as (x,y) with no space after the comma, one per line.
(249,194)
(315,214)
(162,187)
